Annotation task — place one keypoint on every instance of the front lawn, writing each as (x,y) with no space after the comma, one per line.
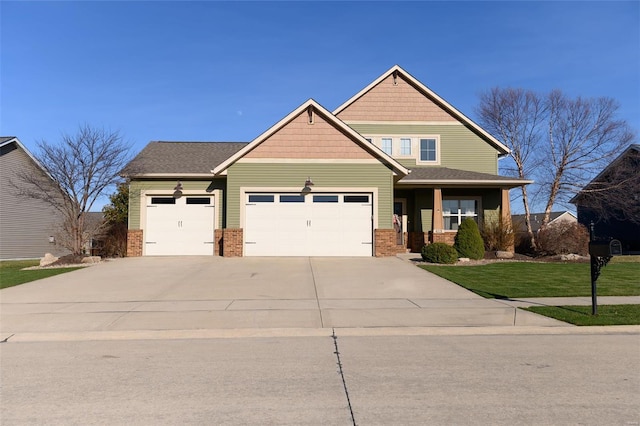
(11,274)
(581,315)
(509,280)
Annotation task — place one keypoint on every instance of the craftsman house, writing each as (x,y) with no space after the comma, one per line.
(391,169)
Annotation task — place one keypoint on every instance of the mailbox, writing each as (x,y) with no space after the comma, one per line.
(602,249)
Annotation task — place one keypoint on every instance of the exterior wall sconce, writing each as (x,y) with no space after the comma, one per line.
(52,239)
(177,190)
(308,183)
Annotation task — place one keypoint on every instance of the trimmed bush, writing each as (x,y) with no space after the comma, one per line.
(468,241)
(439,253)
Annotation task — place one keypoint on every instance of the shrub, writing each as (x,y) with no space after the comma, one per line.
(498,235)
(439,253)
(468,241)
(563,238)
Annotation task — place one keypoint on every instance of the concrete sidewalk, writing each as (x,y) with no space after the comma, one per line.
(204,293)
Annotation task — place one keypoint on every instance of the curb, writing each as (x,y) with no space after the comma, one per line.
(313,332)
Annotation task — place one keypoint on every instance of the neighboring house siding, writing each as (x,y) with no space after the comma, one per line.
(25,223)
(399,102)
(460,148)
(323,175)
(137,186)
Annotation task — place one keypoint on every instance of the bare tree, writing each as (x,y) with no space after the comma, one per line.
(560,142)
(80,169)
(584,136)
(517,118)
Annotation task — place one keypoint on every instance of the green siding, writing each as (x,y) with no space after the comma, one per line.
(136,186)
(323,175)
(460,148)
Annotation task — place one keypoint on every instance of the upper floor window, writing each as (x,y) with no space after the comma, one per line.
(405,146)
(387,146)
(423,148)
(428,150)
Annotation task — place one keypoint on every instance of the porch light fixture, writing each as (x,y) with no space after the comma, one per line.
(308,183)
(177,190)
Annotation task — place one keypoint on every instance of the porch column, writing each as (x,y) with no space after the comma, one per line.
(505,213)
(438,221)
(505,206)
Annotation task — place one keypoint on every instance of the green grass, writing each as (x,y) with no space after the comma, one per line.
(581,315)
(508,280)
(11,274)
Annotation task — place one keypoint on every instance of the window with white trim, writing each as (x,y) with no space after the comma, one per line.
(454,211)
(428,150)
(387,146)
(405,146)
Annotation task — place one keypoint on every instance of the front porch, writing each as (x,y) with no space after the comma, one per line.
(425,215)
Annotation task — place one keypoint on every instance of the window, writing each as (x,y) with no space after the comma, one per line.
(261,198)
(405,146)
(325,198)
(427,150)
(387,145)
(455,211)
(198,200)
(292,198)
(163,200)
(356,198)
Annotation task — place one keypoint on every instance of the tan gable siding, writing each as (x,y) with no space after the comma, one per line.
(460,148)
(301,140)
(389,102)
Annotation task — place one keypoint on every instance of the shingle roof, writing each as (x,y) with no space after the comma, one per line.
(536,220)
(161,157)
(447,175)
(4,139)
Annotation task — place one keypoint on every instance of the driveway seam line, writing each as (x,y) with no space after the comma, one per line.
(315,289)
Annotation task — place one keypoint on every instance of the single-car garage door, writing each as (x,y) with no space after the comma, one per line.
(308,225)
(179,226)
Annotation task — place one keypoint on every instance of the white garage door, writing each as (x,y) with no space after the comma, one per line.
(179,226)
(311,225)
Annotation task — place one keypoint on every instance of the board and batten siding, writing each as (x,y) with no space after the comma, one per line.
(136,187)
(25,223)
(273,175)
(460,148)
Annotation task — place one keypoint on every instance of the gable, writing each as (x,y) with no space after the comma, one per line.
(395,99)
(310,132)
(302,140)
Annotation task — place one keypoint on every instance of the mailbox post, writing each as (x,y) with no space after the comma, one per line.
(600,253)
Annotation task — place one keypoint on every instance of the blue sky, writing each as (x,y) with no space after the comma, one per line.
(227,71)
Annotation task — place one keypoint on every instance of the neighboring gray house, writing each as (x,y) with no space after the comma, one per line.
(27,226)
(536,220)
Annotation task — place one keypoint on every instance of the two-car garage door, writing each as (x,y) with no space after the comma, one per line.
(179,226)
(283,224)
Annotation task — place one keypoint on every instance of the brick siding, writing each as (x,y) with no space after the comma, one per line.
(232,241)
(134,243)
(385,243)
(444,237)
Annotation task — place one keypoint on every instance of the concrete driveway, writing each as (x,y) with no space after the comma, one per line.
(196,293)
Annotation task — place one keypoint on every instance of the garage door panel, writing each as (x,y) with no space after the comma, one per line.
(322,225)
(183,226)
